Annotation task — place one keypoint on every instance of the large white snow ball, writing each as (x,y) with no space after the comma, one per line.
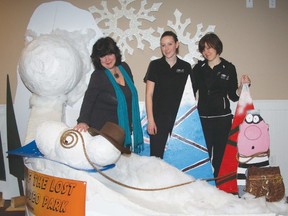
(50,66)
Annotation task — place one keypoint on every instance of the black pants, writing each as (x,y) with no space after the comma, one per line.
(158,142)
(216,131)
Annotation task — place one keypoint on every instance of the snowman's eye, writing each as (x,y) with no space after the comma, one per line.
(249,118)
(256,119)
(69,139)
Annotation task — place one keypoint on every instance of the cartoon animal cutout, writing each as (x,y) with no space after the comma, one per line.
(253,146)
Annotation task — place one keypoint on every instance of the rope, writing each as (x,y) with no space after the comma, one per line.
(259,154)
(72,134)
(225,177)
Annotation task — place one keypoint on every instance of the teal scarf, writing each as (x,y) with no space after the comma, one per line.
(122,112)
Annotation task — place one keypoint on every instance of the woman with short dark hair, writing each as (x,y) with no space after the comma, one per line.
(215,80)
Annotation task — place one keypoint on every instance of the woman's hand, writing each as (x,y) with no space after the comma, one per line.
(245,80)
(81,127)
(151,128)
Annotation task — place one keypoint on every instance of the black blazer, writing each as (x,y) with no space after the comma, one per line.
(100,102)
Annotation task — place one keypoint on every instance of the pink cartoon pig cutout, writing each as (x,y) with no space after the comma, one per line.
(253,146)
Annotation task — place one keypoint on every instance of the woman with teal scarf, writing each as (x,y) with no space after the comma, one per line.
(111,95)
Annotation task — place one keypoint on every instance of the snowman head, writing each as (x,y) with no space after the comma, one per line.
(50,66)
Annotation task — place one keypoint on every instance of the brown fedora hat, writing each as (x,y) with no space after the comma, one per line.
(114,133)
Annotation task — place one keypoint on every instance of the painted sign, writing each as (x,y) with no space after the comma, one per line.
(53,196)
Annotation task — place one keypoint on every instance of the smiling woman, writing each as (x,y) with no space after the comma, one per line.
(108,59)
(215,79)
(111,95)
(165,82)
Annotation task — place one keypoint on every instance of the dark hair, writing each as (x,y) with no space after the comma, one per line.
(102,47)
(172,34)
(212,40)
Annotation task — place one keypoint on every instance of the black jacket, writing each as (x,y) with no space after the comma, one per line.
(100,102)
(215,87)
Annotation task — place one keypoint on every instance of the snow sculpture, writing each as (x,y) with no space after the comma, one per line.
(57,142)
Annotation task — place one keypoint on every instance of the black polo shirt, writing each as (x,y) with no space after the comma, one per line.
(168,90)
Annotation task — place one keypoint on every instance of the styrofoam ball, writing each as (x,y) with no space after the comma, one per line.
(50,66)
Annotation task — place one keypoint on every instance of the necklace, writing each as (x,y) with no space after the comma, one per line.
(116,75)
